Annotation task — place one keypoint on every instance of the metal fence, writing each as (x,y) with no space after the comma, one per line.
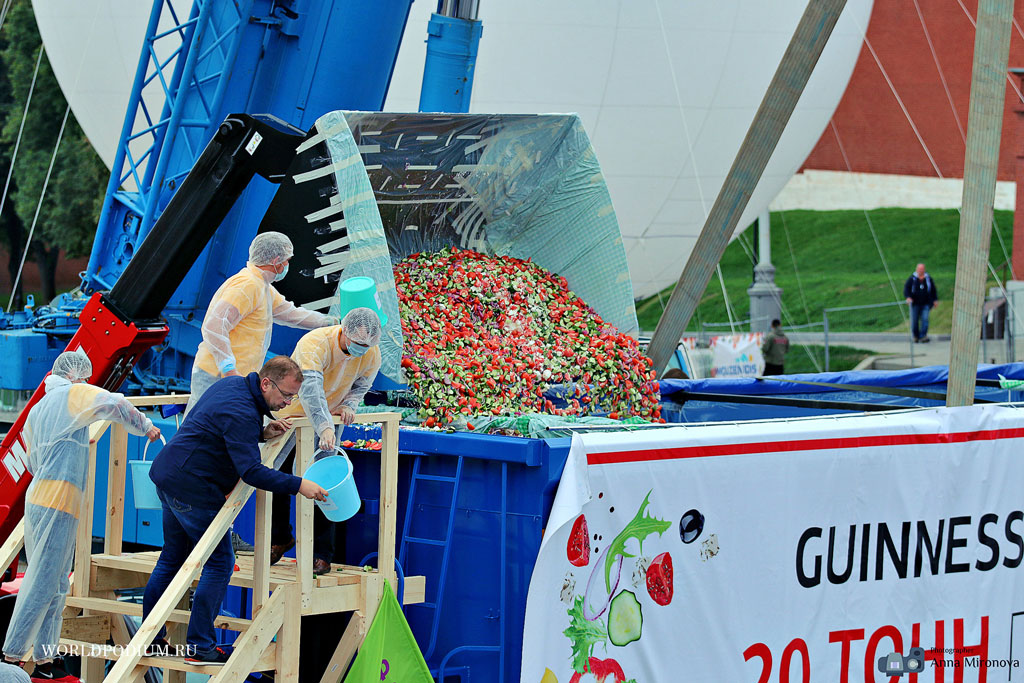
(885,330)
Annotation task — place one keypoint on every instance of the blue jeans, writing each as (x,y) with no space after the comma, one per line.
(919,320)
(183,526)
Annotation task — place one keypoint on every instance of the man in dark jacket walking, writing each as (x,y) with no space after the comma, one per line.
(921,294)
(195,472)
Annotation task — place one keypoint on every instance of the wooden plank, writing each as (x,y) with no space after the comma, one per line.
(335,599)
(254,641)
(92,669)
(114,653)
(261,557)
(189,571)
(981,170)
(109,578)
(168,399)
(117,469)
(377,417)
(351,639)
(304,520)
(288,637)
(373,591)
(415,590)
(13,545)
(388,502)
(176,633)
(83,542)
(134,609)
(91,629)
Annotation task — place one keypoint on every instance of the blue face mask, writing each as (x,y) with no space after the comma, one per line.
(282,275)
(357,350)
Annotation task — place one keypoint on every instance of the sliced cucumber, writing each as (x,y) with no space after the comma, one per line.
(625,619)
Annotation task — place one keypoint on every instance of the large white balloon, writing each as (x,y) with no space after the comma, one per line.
(666,88)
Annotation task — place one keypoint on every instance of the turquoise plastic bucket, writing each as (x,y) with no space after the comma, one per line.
(146,497)
(334,473)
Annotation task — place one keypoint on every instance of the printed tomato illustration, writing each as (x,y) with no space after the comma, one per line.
(604,670)
(659,579)
(578,548)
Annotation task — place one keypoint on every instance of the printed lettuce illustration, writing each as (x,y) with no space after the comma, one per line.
(584,635)
(640,527)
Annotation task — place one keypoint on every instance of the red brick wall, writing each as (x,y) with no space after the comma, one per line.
(67,276)
(875,133)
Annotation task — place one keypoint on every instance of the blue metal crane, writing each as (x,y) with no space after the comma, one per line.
(294,59)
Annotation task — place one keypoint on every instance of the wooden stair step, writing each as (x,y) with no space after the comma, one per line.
(112,653)
(280,573)
(134,609)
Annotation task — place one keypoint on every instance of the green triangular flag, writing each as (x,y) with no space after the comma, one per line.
(1010,383)
(389,652)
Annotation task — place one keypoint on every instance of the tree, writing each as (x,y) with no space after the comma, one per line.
(74,195)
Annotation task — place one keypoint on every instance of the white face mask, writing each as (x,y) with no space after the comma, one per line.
(282,275)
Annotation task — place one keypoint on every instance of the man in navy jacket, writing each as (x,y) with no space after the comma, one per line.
(196,471)
(921,294)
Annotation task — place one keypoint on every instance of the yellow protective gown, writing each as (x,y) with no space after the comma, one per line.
(238,324)
(331,378)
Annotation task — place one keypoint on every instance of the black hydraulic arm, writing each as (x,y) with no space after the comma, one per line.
(244,145)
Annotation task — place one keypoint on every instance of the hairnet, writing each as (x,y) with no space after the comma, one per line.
(362,326)
(270,248)
(73,366)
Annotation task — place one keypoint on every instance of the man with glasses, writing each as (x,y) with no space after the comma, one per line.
(195,472)
(338,366)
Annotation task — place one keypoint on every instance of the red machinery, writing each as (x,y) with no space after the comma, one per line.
(117,328)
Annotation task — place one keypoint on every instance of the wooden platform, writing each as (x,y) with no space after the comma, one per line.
(345,581)
(280,594)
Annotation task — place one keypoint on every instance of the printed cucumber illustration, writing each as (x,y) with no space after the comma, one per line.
(625,619)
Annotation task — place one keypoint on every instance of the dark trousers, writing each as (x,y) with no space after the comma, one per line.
(281,523)
(183,526)
(919,320)
(773,369)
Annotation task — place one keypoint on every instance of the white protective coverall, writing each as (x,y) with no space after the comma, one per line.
(57,434)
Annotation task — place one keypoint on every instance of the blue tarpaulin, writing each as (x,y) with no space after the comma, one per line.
(930,379)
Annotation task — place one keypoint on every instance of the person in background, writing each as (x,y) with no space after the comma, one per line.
(196,471)
(922,296)
(57,437)
(338,366)
(774,349)
(240,318)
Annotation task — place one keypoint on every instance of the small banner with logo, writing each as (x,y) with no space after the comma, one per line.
(737,355)
(389,654)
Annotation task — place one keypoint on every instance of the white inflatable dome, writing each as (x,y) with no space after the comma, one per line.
(666,89)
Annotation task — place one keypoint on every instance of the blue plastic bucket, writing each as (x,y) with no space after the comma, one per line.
(334,473)
(146,497)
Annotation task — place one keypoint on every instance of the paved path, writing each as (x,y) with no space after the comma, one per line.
(896,352)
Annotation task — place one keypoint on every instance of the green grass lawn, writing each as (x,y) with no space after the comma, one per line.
(831,259)
(840,358)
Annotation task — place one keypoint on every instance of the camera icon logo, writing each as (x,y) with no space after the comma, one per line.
(896,664)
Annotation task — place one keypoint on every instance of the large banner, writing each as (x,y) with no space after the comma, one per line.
(819,549)
(737,355)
